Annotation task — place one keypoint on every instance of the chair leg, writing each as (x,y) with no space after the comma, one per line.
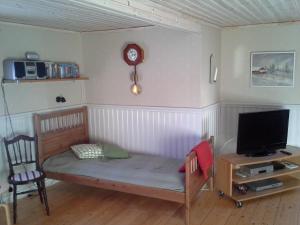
(7,215)
(15,203)
(40,190)
(45,197)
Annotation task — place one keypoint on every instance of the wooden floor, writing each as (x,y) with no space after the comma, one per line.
(79,205)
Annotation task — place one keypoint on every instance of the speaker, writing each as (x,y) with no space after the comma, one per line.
(19,70)
(15,69)
(41,70)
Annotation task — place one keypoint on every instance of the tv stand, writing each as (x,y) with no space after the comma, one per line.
(228,164)
(262,154)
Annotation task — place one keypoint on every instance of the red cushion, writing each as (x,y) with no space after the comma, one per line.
(204,157)
(182,169)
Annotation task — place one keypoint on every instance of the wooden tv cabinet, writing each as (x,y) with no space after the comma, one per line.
(228,164)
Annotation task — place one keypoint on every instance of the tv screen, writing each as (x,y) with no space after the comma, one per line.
(261,133)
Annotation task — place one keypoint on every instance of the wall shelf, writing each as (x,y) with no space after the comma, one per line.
(46,80)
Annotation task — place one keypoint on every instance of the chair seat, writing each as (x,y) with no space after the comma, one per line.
(26,177)
(22,151)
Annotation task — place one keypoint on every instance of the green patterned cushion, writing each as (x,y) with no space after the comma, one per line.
(87,151)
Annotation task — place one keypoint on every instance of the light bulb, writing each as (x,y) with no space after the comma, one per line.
(216,75)
(136,89)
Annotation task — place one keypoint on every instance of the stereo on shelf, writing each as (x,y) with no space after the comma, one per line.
(15,69)
(18,69)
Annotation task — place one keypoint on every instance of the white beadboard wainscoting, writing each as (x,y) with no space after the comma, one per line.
(229,121)
(170,132)
(156,130)
(22,124)
(164,131)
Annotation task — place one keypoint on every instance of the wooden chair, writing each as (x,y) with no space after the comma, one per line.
(22,151)
(5,206)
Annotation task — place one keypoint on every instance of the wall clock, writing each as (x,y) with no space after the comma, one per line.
(134,55)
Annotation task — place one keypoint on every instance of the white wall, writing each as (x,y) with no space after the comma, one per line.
(175,72)
(15,40)
(51,44)
(237,43)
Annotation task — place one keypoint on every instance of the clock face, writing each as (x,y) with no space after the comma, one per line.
(132,54)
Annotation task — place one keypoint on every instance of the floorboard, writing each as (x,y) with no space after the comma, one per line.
(72,204)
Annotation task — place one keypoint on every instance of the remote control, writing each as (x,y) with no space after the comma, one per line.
(241,174)
(285,152)
(290,165)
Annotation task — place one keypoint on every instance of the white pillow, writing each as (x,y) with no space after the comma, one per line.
(87,151)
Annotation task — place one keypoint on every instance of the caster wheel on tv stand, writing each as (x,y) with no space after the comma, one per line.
(238,204)
(221,194)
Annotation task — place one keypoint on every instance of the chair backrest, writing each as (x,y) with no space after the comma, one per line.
(21,150)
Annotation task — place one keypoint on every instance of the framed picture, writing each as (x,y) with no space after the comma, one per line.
(272,69)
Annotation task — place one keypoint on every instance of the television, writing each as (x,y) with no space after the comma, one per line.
(262,133)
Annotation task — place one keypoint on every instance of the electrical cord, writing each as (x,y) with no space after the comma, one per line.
(8,121)
(225,143)
(6,110)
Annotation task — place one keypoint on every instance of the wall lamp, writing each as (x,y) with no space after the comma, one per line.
(213,70)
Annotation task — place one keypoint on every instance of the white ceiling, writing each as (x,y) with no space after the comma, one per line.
(226,13)
(64,14)
(99,15)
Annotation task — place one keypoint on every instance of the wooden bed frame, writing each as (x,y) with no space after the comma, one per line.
(58,130)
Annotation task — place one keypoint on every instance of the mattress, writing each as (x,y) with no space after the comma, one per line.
(139,169)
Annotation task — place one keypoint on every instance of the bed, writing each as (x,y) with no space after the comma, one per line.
(141,174)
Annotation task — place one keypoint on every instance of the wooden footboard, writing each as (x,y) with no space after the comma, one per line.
(194,180)
(57,131)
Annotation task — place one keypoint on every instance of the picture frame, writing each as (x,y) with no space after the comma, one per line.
(272,69)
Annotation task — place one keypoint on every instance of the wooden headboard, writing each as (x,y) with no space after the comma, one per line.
(57,131)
